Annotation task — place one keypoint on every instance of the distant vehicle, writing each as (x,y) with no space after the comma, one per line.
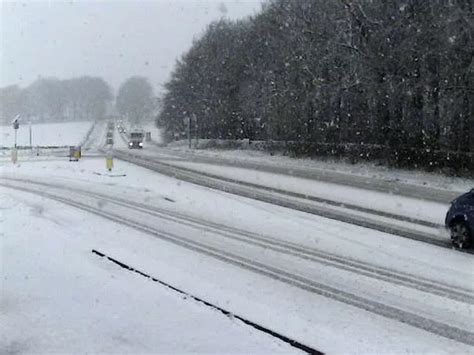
(110,140)
(110,134)
(121,130)
(136,140)
(460,220)
(110,125)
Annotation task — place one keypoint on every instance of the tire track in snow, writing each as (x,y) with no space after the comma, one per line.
(279,245)
(430,325)
(364,182)
(283,199)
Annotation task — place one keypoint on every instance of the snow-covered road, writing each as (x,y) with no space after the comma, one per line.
(406,207)
(57,296)
(432,187)
(319,268)
(298,274)
(376,215)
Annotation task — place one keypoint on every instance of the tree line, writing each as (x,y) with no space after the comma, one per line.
(52,99)
(83,98)
(359,77)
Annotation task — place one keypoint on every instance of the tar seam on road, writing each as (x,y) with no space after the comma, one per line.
(263,329)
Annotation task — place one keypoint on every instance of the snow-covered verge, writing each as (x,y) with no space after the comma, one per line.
(96,139)
(156,134)
(369,170)
(307,317)
(46,134)
(56,296)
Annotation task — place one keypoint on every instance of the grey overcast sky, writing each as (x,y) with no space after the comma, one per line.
(111,39)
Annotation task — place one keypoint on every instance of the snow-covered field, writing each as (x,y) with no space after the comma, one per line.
(124,310)
(46,134)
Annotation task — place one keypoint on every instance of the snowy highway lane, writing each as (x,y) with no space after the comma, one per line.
(58,297)
(430,187)
(386,213)
(397,281)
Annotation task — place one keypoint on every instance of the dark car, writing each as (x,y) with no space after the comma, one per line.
(460,220)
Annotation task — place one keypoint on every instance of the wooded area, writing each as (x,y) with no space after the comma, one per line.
(52,99)
(370,79)
(135,100)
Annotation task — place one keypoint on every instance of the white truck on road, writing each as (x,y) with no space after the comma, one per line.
(136,139)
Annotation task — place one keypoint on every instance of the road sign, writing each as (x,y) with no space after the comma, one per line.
(16,122)
(16,125)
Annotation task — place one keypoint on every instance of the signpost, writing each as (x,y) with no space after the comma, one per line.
(16,125)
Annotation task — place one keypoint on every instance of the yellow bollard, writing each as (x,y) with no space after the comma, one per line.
(109,162)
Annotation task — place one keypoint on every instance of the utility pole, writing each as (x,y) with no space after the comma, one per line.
(196,131)
(189,132)
(31,141)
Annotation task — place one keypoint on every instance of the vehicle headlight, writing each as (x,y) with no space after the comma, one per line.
(140,144)
(130,143)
